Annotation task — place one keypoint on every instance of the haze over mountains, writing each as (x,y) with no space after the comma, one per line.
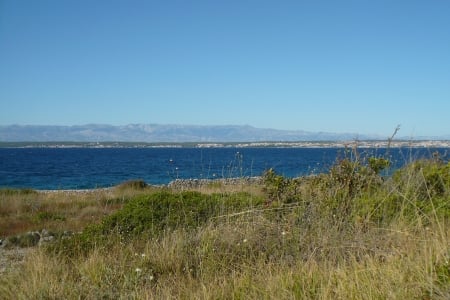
(154,133)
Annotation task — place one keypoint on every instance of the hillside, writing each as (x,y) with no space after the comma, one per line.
(164,133)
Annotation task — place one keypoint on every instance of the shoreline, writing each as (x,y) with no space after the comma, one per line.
(174,184)
(75,191)
(263,144)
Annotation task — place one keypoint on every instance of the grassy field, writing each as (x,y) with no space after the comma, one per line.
(348,234)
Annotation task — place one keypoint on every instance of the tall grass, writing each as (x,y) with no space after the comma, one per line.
(348,234)
(25,210)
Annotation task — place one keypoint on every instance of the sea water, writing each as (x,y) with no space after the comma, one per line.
(85,168)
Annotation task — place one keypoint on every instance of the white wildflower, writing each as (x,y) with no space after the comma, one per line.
(138,270)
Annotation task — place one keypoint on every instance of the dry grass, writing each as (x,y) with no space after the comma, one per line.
(182,265)
(387,242)
(57,210)
(221,186)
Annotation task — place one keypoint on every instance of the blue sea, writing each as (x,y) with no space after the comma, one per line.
(86,168)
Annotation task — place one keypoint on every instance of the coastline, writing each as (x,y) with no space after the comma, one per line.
(263,144)
(76,191)
(174,184)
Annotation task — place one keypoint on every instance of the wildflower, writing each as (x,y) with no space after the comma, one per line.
(244,241)
(151,277)
(143,255)
(283,233)
(138,270)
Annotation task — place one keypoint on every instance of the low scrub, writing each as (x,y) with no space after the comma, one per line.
(151,215)
(137,184)
(354,191)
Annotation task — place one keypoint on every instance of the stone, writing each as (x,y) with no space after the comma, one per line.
(45,233)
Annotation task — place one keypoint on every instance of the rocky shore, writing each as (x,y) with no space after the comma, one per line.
(186,184)
(76,191)
(177,184)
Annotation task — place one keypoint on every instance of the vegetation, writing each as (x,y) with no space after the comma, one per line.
(348,234)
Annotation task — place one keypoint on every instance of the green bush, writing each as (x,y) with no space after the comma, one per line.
(135,184)
(353,191)
(152,215)
(426,178)
(25,240)
(346,192)
(167,211)
(425,186)
(281,189)
(353,177)
(378,164)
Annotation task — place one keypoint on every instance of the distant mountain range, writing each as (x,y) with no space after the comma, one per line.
(154,133)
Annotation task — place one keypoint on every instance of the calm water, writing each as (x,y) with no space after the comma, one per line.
(82,168)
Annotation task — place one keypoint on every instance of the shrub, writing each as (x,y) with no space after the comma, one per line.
(426,177)
(378,164)
(136,184)
(353,177)
(347,192)
(25,240)
(424,185)
(152,215)
(279,188)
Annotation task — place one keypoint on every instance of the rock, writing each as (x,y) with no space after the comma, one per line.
(35,235)
(50,238)
(186,184)
(67,233)
(46,237)
(4,243)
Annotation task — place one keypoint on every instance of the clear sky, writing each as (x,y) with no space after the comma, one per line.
(361,66)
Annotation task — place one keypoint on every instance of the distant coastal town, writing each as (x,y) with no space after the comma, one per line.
(300,144)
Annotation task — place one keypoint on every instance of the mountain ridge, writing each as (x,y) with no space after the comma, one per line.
(167,133)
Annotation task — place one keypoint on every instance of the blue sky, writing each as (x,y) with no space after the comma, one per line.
(338,66)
